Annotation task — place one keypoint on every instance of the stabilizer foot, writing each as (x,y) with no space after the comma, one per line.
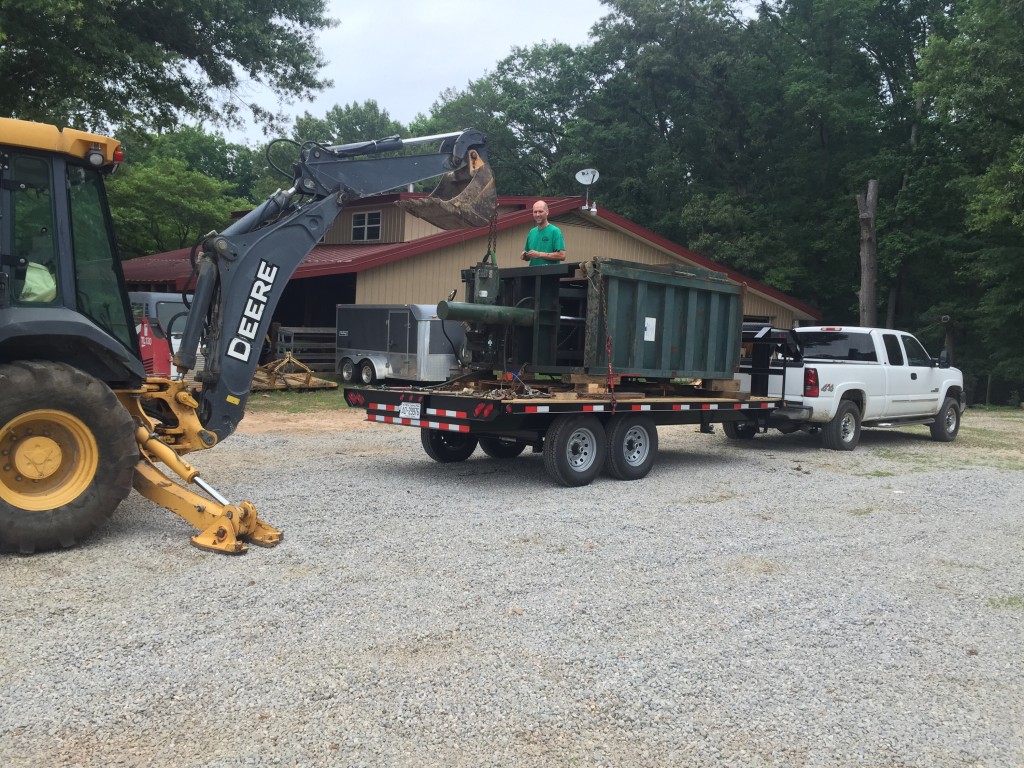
(220,537)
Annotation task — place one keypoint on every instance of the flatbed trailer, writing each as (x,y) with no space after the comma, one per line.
(580,432)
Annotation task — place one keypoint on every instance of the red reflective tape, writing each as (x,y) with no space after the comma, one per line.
(593,407)
(446,413)
(421,423)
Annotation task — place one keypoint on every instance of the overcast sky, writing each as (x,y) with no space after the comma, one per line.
(404,53)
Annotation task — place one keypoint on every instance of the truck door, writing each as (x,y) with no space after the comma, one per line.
(925,377)
(402,362)
(912,391)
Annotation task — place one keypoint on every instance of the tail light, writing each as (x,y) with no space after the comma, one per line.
(810,382)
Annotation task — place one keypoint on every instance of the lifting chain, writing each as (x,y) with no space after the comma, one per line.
(492,239)
(603,293)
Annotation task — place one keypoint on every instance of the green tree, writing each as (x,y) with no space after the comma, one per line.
(530,108)
(348,124)
(106,63)
(972,69)
(164,205)
(207,153)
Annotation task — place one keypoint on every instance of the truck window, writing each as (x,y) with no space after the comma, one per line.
(916,354)
(893,349)
(838,345)
(171,316)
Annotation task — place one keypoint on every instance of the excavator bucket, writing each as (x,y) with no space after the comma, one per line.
(465,197)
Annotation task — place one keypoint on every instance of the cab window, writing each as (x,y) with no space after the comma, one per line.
(916,354)
(96,277)
(34,241)
(892,349)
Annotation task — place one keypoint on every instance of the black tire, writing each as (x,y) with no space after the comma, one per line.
(69,430)
(447,447)
(632,447)
(947,421)
(502,447)
(367,373)
(788,429)
(574,450)
(347,369)
(842,433)
(739,430)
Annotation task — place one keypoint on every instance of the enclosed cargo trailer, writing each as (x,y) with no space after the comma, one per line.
(407,342)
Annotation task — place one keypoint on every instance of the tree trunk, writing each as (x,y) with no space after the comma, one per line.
(868,205)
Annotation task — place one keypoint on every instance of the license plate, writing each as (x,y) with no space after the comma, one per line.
(409,410)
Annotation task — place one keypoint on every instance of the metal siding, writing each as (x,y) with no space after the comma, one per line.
(340,232)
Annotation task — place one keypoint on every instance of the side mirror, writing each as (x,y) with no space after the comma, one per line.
(944,359)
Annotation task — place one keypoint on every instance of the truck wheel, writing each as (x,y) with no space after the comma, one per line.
(842,433)
(947,422)
(447,447)
(632,447)
(67,455)
(574,450)
(347,369)
(502,447)
(367,373)
(739,430)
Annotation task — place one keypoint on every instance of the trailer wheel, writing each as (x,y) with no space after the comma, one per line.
(632,447)
(947,421)
(67,455)
(447,447)
(347,369)
(367,373)
(502,447)
(574,450)
(842,433)
(739,430)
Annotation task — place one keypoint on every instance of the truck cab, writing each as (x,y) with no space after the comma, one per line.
(837,379)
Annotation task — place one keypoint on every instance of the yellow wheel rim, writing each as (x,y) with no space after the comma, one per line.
(47,459)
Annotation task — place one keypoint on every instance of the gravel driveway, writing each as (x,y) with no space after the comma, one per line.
(762,603)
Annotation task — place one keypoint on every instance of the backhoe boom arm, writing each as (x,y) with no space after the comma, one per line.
(242,271)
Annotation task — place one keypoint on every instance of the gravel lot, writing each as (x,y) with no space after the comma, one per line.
(755,604)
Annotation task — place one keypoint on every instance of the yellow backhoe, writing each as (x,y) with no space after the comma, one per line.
(81,423)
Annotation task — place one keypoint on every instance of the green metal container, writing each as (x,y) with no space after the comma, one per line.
(661,322)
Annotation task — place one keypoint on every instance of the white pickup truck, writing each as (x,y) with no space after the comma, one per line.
(838,379)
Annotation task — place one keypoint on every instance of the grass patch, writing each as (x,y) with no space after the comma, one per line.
(313,401)
(876,473)
(958,564)
(1013,603)
(715,499)
(863,512)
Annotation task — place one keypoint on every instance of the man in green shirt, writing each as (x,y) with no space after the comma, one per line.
(544,243)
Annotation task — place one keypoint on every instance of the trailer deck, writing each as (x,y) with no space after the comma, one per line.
(581,426)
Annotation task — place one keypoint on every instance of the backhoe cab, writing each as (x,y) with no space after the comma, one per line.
(81,423)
